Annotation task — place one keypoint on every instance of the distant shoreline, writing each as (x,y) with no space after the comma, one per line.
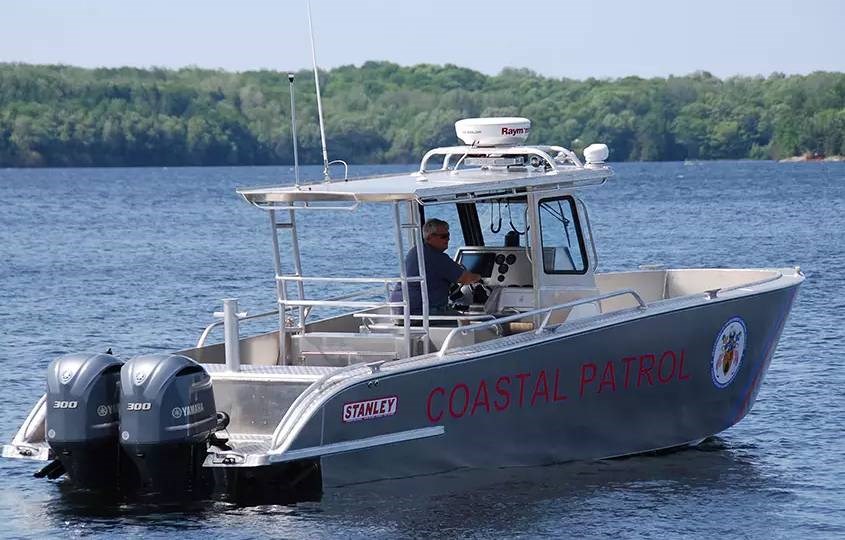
(383,113)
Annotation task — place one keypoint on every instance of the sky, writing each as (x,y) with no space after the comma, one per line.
(563,38)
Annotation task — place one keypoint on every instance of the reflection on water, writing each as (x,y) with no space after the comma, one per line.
(571,497)
(539,500)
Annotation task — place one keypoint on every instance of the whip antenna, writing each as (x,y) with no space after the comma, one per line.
(319,101)
(293,132)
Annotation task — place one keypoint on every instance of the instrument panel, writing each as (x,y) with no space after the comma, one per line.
(498,266)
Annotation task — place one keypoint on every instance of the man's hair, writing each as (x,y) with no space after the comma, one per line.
(432,225)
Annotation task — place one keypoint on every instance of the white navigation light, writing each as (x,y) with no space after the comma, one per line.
(493,131)
(596,154)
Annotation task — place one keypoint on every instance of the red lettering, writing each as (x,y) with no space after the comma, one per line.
(660,378)
(646,370)
(628,360)
(584,379)
(681,376)
(608,377)
(537,391)
(482,389)
(522,377)
(371,407)
(452,400)
(502,392)
(462,400)
(558,397)
(347,412)
(431,417)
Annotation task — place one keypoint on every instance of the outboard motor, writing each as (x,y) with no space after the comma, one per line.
(82,418)
(167,415)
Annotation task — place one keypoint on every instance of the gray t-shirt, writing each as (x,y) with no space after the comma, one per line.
(440,272)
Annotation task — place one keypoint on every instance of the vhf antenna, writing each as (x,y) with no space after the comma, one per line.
(326,177)
(293,132)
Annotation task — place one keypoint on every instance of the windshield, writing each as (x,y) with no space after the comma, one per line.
(503,222)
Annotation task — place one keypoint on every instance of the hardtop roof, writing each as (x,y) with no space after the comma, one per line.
(429,186)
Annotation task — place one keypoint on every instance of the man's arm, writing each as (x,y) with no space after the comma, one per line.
(456,273)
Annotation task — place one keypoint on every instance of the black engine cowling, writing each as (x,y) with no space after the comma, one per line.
(82,417)
(167,414)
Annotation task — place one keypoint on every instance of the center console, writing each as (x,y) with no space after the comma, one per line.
(498,266)
(506,272)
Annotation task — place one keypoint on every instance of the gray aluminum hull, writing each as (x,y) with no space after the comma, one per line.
(639,385)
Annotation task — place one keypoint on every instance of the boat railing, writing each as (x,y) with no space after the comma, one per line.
(345,302)
(216,324)
(547,311)
(542,152)
(370,317)
(714,293)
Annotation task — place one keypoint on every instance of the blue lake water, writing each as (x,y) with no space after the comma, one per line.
(138,259)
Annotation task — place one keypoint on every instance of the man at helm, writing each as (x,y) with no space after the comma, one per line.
(440,271)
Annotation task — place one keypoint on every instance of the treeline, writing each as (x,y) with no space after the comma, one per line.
(382,112)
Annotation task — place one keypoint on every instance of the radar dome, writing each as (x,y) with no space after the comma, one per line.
(493,131)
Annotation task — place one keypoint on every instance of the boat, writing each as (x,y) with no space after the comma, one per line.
(545,360)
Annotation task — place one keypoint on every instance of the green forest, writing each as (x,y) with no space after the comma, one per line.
(381,112)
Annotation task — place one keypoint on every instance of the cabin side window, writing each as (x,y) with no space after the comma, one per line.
(560,234)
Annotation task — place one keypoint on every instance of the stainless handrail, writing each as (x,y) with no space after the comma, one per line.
(341,303)
(533,313)
(713,293)
(567,154)
(383,280)
(215,324)
(474,150)
(462,317)
(345,167)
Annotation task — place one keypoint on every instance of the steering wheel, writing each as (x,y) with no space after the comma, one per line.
(480,293)
(461,297)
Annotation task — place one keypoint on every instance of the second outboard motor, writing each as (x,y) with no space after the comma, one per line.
(82,417)
(167,414)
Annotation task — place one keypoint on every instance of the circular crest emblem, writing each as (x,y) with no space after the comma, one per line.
(727,352)
(102,410)
(67,375)
(176,412)
(125,435)
(51,433)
